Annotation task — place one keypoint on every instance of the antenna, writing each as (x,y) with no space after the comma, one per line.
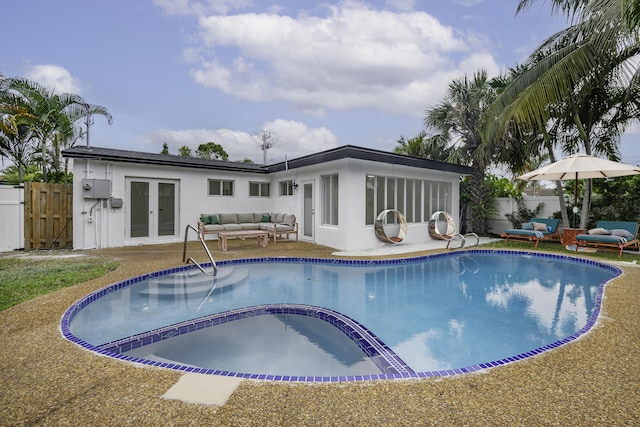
(266,141)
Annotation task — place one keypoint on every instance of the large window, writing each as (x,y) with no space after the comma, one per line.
(330,199)
(416,199)
(218,187)
(259,189)
(286,188)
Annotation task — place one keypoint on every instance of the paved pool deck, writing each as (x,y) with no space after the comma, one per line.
(47,380)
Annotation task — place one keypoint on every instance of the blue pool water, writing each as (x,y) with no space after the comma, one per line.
(448,313)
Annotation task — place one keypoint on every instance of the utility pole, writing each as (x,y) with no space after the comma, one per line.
(266,138)
(88,121)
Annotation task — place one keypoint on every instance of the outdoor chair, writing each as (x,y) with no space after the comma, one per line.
(535,230)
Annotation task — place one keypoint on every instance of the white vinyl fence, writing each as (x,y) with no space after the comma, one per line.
(11,217)
(506,205)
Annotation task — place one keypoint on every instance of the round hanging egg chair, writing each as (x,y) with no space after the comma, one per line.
(442,226)
(380,227)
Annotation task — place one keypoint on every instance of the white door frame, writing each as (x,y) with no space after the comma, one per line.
(308,210)
(153,234)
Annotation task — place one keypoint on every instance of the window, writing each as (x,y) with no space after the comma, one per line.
(417,199)
(259,189)
(218,187)
(286,188)
(330,199)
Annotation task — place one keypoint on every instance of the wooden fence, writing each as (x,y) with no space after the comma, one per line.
(48,216)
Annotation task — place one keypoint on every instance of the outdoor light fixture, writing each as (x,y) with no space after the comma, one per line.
(294,185)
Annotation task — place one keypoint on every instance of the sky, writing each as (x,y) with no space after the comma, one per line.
(309,75)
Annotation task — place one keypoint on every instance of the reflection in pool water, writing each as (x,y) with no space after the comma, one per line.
(435,313)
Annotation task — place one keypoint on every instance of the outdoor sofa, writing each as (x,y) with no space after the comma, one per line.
(535,230)
(615,235)
(276,224)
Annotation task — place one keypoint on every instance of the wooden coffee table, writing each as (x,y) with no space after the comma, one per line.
(224,236)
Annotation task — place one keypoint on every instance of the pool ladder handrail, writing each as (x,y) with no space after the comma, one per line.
(206,249)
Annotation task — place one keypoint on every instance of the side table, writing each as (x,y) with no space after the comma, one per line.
(569,235)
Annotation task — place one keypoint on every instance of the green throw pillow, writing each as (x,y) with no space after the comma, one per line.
(214,219)
(205,219)
(266,218)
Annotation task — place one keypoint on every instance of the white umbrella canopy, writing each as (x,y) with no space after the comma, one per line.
(581,166)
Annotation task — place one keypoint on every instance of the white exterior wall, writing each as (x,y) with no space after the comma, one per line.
(108,227)
(11,217)
(104,226)
(355,235)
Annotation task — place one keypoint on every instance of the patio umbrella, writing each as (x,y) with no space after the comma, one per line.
(580,166)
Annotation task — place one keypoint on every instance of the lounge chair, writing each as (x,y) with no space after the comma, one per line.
(615,235)
(535,230)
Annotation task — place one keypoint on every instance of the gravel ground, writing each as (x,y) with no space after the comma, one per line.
(47,380)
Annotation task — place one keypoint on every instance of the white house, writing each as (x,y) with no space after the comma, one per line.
(123,198)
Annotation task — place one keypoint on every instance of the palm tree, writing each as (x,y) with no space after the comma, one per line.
(15,130)
(603,37)
(433,148)
(459,121)
(51,117)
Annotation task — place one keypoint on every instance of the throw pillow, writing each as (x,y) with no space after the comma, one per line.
(266,218)
(213,219)
(527,226)
(539,226)
(205,219)
(622,233)
(598,231)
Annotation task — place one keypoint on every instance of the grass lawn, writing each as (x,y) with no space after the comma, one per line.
(556,247)
(25,278)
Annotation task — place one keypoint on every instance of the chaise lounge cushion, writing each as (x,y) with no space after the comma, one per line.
(623,234)
(538,229)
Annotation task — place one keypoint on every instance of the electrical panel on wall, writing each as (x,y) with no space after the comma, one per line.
(96,188)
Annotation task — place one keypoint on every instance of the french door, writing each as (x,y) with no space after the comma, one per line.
(153,208)
(308,210)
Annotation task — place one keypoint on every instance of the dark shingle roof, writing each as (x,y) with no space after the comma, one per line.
(347,151)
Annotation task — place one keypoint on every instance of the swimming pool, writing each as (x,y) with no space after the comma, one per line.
(434,315)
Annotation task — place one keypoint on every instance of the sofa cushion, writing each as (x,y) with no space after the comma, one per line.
(232,227)
(244,218)
(250,226)
(277,218)
(289,219)
(213,227)
(284,227)
(260,217)
(228,218)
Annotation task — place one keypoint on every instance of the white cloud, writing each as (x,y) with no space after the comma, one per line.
(353,57)
(290,138)
(55,78)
